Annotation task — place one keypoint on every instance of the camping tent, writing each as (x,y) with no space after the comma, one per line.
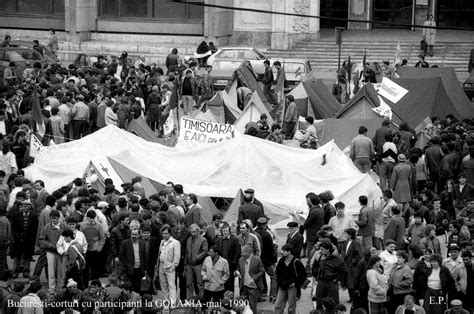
(314,99)
(140,128)
(361,106)
(280,175)
(342,131)
(223,107)
(252,113)
(244,76)
(426,97)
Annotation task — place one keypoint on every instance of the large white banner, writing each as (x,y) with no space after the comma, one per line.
(197,133)
(390,90)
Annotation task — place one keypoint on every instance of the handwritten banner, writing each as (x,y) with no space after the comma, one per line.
(196,133)
(390,90)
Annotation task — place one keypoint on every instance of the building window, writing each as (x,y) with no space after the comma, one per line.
(152,9)
(40,7)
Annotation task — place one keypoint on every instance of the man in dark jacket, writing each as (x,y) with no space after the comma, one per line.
(313,223)
(251,273)
(295,238)
(329,269)
(379,137)
(196,252)
(153,109)
(268,256)
(267,81)
(181,233)
(24,224)
(248,210)
(433,158)
(118,234)
(366,222)
(229,247)
(134,268)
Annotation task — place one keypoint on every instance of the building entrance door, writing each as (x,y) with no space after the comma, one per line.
(458,13)
(395,11)
(336,9)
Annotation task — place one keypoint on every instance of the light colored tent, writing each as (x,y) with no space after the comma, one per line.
(252,113)
(280,175)
(223,107)
(205,116)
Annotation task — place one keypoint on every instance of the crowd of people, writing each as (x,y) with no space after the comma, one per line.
(410,253)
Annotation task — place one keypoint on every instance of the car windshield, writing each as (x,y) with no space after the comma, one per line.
(293,67)
(28,54)
(260,55)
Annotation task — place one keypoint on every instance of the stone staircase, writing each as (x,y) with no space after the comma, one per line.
(154,48)
(323,53)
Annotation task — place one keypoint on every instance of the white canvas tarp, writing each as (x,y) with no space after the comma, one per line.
(280,175)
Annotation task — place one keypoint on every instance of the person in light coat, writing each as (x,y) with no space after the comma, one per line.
(215,273)
(168,259)
(378,286)
(429,34)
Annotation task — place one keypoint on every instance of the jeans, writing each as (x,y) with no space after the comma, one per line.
(168,283)
(283,296)
(385,173)
(193,274)
(290,128)
(326,288)
(187,102)
(53,269)
(252,295)
(270,270)
(93,265)
(79,128)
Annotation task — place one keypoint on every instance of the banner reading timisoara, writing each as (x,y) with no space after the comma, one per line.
(195,133)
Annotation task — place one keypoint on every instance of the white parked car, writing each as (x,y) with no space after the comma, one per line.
(253,55)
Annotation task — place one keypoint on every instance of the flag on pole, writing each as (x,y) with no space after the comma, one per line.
(36,114)
(349,74)
(398,52)
(35,145)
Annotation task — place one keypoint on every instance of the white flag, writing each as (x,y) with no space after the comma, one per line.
(383,110)
(169,124)
(35,145)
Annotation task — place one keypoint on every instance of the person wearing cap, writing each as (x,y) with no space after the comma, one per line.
(458,270)
(456,307)
(268,257)
(402,183)
(249,210)
(251,193)
(362,150)
(295,238)
(290,273)
(71,294)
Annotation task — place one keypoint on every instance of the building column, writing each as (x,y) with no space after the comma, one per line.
(80,19)
(218,23)
(314,24)
(360,10)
